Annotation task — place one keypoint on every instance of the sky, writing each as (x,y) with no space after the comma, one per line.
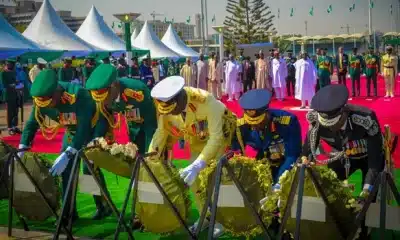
(321,23)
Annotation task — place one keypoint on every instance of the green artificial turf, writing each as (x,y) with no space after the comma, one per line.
(105,229)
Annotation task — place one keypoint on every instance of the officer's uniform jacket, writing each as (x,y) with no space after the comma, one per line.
(372,65)
(280,142)
(66,74)
(75,112)
(207,127)
(356,63)
(389,65)
(139,109)
(360,139)
(324,65)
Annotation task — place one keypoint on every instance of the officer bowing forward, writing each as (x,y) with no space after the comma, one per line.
(274,134)
(352,131)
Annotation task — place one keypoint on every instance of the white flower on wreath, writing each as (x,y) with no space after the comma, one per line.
(130,150)
(116,149)
(103,144)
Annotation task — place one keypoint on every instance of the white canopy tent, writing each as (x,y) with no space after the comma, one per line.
(96,32)
(49,30)
(147,39)
(173,41)
(134,35)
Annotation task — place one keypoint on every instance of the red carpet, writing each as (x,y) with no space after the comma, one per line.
(386,110)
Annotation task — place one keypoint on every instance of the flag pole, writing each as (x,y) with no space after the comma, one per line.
(370,20)
(206,36)
(202,25)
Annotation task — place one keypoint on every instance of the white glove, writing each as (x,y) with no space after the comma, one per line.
(21,154)
(61,162)
(348,75)
(189,174)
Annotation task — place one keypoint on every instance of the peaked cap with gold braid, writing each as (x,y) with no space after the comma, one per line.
(165,91)
(99,84)
(254,104)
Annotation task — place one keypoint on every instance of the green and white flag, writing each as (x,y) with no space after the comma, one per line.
(165,20)
(352,8)
(371,4)
(279,13)
(329,10)
(188,20)
(391,9)
(213,19)
(311,12)
(292,12)
(172,21)
(113,25)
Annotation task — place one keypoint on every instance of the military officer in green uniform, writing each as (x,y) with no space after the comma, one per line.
(71,107)
(325,69)
(89,67)
(128,96)
(134,69)
(122,68)
(66,73)
(372,69)
(8,78)
(356,64)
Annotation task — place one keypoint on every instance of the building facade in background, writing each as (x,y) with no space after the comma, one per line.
(20,13)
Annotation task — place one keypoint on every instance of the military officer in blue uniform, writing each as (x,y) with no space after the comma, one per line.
(274,134)
(146,75)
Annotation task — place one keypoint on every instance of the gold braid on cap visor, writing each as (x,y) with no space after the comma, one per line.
(250,118)
(99,96)
(165,108)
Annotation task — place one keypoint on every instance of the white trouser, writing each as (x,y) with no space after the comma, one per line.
(234,96)
(279,93)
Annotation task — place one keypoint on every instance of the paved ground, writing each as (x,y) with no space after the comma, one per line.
(3,118)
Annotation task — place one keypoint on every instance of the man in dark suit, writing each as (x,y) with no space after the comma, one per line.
(342,62)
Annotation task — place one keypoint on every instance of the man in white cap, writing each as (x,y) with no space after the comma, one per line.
(41,64)
(194,117)
(389,69)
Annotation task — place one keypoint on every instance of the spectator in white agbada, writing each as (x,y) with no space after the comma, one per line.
(279,74)
(232,84)
(306,79)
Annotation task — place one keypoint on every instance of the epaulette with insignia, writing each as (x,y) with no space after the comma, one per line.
(195,95)
(312,117)
(366,122)
(240,122)
(284,120)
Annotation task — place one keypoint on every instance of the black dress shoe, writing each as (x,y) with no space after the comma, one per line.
(102,213)
(136,224)
(17,130)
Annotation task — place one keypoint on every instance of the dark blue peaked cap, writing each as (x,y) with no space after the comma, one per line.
(255,99)
(330,98)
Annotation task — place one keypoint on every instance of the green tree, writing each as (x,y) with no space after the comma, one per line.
(248,21)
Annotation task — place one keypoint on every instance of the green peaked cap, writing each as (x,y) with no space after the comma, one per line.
(45,84)
(102,77)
